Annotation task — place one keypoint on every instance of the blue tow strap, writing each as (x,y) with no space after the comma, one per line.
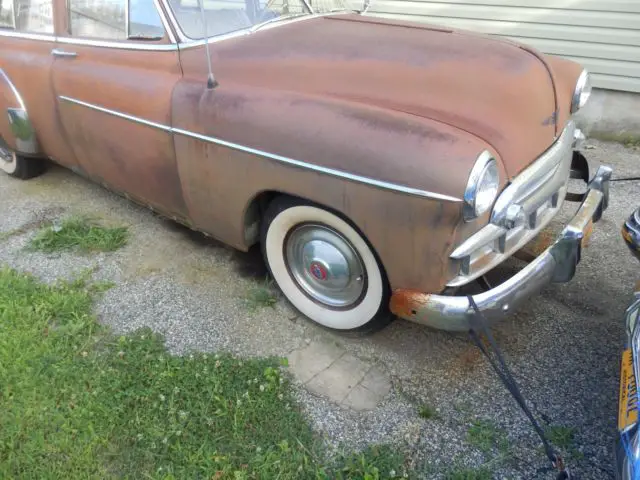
(478,327)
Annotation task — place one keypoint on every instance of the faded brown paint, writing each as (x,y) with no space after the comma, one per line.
(143,165)
(489,88)
(566,74)
(415,110)
(28,64)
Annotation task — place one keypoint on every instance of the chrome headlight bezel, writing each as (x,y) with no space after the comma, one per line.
(582,92)
(485,169)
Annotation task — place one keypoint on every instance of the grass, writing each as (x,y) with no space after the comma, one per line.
(79,233)
(375,463)
(427,412)
(77,402)
(261,295)
(485,436)
(562,437)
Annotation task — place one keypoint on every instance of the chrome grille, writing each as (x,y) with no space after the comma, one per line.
(521,211)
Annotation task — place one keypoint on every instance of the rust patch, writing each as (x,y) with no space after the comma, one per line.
(537,245)
(587,232)
(407,303)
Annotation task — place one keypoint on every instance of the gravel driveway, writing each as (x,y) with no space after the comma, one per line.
(563,346)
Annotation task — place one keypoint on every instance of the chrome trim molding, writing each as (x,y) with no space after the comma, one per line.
(13,88)
(43,37)
(127,25)
(172,19)
(22,129)
(577,93)
(56,52)
(116,114)
(320,169)
(165,22)
(124,45)
(279,158)
(483,161)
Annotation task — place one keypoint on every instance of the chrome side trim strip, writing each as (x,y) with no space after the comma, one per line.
(13,88)
(279,158)
(116,114)
(317,168)
(172,19)
(27,36)
(119,45)
(92,43)
(165,22)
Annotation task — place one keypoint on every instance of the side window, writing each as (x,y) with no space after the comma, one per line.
(31,16)
(7,20)
(144,21)
(108,19)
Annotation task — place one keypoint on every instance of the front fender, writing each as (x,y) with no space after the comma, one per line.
(16,130)
(222,137)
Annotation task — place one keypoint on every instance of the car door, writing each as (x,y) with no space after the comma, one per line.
(114,70)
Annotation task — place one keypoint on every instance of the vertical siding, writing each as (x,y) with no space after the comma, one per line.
(602,35)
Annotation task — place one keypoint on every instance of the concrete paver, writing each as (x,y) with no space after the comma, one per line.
(329,371)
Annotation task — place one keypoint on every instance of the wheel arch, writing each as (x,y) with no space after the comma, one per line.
(256,207)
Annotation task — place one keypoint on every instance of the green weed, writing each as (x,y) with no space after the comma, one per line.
(79,233)
(261,295)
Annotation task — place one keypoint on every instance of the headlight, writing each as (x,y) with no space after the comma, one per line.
(582,92)
(482,187)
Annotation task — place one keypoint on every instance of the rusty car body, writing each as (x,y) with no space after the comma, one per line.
(381,164)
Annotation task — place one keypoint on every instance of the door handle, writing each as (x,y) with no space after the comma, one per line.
(56,52)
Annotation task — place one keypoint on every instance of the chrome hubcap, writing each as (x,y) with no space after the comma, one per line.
(325,266)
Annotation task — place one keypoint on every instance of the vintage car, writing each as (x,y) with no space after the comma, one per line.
(382,165)
(627,451)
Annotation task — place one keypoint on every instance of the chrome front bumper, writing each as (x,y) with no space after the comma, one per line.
(556,264)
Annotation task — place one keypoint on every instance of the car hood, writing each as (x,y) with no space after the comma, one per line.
(492,89)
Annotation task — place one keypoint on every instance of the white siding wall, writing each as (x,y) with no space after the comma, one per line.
(602,35)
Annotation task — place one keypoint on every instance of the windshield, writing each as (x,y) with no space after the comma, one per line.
(226,16)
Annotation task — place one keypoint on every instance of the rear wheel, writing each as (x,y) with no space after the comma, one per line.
(324,266)
(18,166)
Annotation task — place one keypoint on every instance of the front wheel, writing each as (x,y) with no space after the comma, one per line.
(324,267)
(18,166)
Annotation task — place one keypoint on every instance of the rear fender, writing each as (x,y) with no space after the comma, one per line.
(16,129)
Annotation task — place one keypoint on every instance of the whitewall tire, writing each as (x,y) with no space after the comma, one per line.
(324,266)
(8,161)
(18,166)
